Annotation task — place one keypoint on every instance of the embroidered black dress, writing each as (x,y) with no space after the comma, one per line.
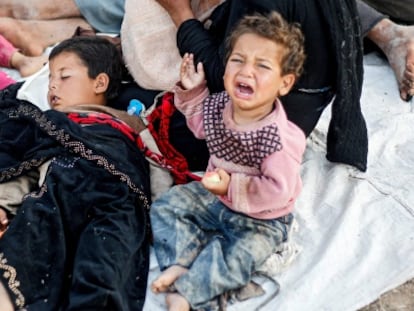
(80,241)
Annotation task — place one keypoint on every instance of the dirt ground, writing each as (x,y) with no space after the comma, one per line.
(398,299)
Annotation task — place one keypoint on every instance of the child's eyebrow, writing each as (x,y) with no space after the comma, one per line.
(236,53)
(260,59)
(264,60)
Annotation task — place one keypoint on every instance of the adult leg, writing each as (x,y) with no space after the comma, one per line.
(397,43)
(103,15)
(33,36)
(38,9)
(401,11)
(305,109)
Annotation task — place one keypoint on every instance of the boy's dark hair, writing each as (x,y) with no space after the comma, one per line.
(98,55)
(275,28)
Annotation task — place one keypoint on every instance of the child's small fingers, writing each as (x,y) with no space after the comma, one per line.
(3,217)
(187,57)
(200,68)
(184,64)
(4,220)
(191,67)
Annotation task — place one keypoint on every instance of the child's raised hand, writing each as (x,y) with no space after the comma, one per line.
(189,76)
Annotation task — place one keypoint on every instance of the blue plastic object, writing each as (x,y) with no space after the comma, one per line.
(135,107)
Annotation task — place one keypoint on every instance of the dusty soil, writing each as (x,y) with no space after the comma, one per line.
(398,299)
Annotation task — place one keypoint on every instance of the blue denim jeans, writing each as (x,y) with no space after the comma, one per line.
(220,248)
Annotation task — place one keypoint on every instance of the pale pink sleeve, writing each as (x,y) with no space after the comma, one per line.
(7,51)
(190,103)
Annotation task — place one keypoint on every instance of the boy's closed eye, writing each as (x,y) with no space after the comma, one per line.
(236,60)
(264,66)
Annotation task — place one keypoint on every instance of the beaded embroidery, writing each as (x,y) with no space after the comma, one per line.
(13,284)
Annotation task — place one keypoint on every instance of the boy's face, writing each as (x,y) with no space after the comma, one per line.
(69,83)
(253,76)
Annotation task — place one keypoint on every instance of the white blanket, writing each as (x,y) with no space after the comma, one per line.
(356,229)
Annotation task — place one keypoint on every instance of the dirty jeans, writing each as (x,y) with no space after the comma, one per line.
(220,248)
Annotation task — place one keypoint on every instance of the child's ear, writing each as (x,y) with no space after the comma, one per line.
(288,81)
(101,83)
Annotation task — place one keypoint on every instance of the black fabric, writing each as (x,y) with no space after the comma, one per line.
(181,138)
(131,90)
(334,59)
(185,142)
(81,240)
(347,134)
(400,11)
(208,45)
(305,109)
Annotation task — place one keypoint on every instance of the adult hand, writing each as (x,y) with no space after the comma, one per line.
(179,10)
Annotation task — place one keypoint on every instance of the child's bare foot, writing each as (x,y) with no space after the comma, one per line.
(27,65)
(397,42)
(176,302)
(167,278)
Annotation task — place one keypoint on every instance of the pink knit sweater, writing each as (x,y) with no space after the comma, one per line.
(263,158)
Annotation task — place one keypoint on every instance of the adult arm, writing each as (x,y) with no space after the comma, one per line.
(179,10)
(192,37)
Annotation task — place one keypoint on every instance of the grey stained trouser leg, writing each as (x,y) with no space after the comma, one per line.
(103,15)
(369,16)
(401,11)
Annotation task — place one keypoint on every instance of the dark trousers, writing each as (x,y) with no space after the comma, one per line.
(401,11)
